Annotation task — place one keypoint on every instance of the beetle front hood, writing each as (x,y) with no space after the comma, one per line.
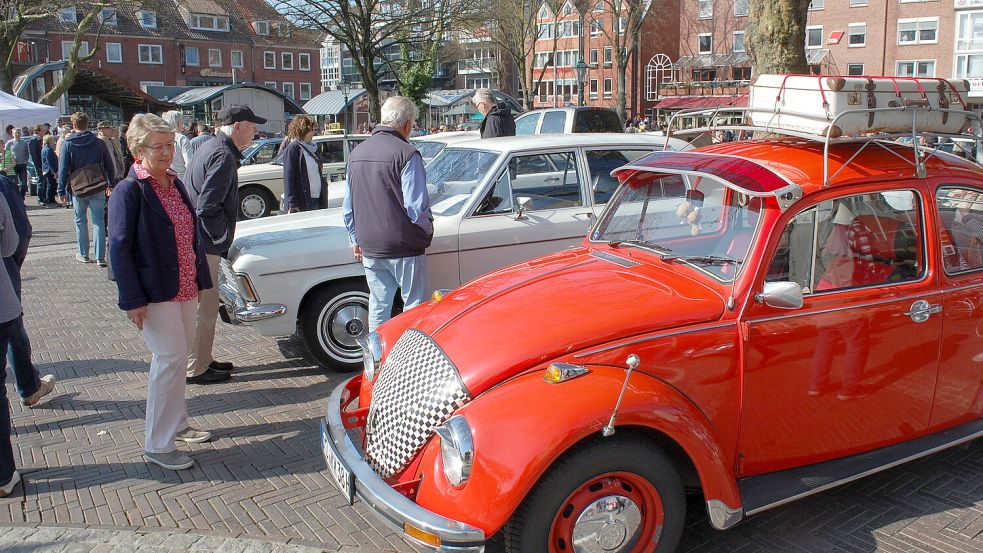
(526,314)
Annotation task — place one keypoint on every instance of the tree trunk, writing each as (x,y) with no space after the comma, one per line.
(622,95)
(776,36)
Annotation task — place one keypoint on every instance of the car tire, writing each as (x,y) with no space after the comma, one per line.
(634,480)
(331,319)
(255,202)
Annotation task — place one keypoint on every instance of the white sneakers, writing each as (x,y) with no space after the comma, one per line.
(6,490)
(193,436)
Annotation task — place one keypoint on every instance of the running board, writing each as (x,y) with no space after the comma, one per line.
(767,491)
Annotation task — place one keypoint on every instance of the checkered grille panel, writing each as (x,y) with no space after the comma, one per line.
(418,390)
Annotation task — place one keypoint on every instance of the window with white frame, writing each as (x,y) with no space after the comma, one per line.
(854,69)
(114,52)
(305,91)
(599,6)
(593,88)
(144,85)
(740,8)
(283,29)
(608,87)
(857,3)
(262,28)
(147,19)
(705,8)
(207,22)
(68,15)
(596,27)
(814,36)
(915,68)
(236,59)
(592,57)
(923,30)
(969,45)
(269,60)
(191,56)
(151,54)
(109,16)
(214,57)
(288,90)
(287,61)
(817,5)
(622,25)
(857,35)
(67,45)
(270,84)
(567,9)
(739,41)
(705,43)
(544,12)
(608,56)
(304,61)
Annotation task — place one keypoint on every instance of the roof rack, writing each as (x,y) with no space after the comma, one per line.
(920,154)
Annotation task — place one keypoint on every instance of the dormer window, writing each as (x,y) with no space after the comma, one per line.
(262,28)
(207,22)
(68,15)
(283,29)
(147,19)
(108,16)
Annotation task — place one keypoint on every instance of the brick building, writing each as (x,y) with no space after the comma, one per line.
(558,45)
(189,43)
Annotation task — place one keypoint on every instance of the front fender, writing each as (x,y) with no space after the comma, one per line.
(521,427)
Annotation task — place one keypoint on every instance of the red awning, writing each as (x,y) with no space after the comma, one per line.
(688,102)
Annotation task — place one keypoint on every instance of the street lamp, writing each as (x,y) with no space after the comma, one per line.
(581,79)
(345,88)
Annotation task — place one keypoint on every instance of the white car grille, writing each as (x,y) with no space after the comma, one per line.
(418,390)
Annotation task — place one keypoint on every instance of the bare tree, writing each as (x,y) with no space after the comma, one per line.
(775,35)
(626,18)
(91,17)
(15,17)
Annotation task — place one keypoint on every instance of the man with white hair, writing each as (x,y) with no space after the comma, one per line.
(498,119)
(182,151)
(387,212)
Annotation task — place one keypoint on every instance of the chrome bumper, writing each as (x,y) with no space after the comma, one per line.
(237,308)
(390,505)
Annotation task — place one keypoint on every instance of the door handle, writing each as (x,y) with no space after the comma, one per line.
(552,179)
(921,310)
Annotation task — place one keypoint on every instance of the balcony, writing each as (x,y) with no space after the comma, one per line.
(479,65)
(704,88)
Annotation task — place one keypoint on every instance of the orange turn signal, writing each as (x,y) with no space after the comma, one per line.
(421,535)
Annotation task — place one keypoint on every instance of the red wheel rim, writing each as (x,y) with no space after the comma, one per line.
(627,485)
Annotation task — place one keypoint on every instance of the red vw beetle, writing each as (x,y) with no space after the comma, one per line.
(734,323)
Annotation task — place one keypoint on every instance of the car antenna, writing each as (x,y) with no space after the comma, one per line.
(632,365)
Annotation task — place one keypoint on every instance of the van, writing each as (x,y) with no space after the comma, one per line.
(568,120)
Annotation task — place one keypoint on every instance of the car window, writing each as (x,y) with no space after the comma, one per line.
(427,149)
(536,182)
(266,152)
(454,175)
(331,151)
(526,124)
(600,163)
(554,122)
(596,120)
(961,233)
(850,242)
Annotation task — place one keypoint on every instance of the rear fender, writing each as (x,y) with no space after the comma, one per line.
(523,426)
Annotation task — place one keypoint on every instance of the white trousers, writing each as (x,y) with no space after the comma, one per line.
(169,332)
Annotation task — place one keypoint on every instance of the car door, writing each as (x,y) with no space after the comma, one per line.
(536,206)
(855,367)
(959,214)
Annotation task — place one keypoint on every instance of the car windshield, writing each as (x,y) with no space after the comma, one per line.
(453,175)
(692,220)
(428,149)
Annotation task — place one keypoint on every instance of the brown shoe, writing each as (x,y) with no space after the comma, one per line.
(47,385)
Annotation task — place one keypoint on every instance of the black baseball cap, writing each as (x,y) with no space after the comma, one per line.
(235,113)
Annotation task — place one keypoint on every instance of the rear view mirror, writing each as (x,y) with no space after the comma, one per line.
(784,295)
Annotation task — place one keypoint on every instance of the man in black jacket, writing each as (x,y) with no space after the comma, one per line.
(498,119)
(212,183)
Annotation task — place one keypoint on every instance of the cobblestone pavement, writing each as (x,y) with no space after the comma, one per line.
(261,484)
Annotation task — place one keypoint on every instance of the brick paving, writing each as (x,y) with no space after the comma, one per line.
(261,484)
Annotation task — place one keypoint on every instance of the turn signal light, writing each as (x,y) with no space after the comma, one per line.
(561,372)
(439,294)
(421,536)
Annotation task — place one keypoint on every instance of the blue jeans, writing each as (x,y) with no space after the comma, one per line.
(96,205)
(386,276)
(7,466)
(19,358)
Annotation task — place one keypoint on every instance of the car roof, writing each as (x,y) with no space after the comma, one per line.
(801,161)
(572,140)
(447,137)
(567,108)
(339,136)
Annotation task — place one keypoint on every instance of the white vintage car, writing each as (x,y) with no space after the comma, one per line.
(495,202)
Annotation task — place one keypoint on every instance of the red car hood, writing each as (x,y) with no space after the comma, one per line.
(523,315)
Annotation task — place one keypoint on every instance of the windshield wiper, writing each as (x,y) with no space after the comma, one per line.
(702,259)
(639,244)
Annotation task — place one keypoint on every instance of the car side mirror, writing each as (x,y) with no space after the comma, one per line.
(784,295)
(524,203)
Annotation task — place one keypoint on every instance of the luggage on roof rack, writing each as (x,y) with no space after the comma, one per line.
(843,106)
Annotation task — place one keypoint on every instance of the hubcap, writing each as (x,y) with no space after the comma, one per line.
(609,524)
(253,206)
(342,321)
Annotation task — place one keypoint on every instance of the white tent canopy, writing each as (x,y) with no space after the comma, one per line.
(24,113)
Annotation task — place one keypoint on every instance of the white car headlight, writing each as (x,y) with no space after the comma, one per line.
(456,450)
(371,355)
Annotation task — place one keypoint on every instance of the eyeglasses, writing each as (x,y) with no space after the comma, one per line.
(158,148)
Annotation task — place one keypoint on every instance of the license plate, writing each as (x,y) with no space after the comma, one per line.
(342,476)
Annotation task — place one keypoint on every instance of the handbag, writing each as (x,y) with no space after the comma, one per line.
(87,180)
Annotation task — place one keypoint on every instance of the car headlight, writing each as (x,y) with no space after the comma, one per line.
(456,450)
(246,288)
(371,355)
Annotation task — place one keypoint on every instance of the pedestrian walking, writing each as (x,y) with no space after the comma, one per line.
(11,315)
(20,152)
(49,172)
(160,270)
(213,185)
(108,134)
(34,146)
(204,133)
(182,153)
(304,186)
(86,168)
(30,384)
(498,119)
(387,211)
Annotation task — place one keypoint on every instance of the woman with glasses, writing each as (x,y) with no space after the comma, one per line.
(160,267)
